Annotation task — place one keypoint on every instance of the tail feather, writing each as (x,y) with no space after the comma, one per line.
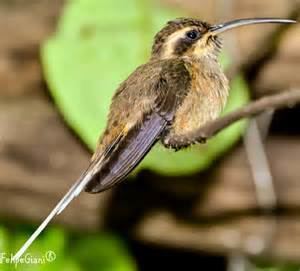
(120,157)
(73,192)
(62,204)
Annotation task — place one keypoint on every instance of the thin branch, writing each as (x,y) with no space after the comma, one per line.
(272,102)
(260,166)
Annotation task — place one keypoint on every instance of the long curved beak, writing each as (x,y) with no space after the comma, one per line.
(217,29)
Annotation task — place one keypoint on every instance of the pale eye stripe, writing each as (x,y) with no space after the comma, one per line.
(170,44)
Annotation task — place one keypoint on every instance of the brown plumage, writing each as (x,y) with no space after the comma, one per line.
(171,27)
(178,90)
(181,88)
(141,110)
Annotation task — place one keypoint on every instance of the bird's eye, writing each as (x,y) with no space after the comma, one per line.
(192,35)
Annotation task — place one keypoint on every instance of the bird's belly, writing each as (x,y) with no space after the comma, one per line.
(194,113)
(202,104)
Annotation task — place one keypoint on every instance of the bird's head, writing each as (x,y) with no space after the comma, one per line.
(195,38)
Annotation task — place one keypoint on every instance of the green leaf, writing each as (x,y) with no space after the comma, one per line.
(54,239)
(4,247)
(73,252)
(102,252)
(97,45)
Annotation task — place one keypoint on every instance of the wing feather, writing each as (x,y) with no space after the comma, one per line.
(169,90)
(131,150)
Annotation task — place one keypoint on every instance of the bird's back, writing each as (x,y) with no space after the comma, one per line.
(142,108)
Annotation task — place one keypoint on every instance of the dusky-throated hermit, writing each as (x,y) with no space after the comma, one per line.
(181,88)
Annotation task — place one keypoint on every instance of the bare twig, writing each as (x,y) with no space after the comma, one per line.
(260,168)
(260,243)
(277,101)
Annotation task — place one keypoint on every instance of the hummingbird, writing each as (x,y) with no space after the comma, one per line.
(181,88)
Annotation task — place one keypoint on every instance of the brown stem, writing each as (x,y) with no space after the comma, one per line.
(277,101)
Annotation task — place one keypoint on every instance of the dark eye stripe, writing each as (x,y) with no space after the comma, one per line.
(183,44)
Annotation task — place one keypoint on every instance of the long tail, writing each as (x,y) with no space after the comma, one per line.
(62,204)
(122,155)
